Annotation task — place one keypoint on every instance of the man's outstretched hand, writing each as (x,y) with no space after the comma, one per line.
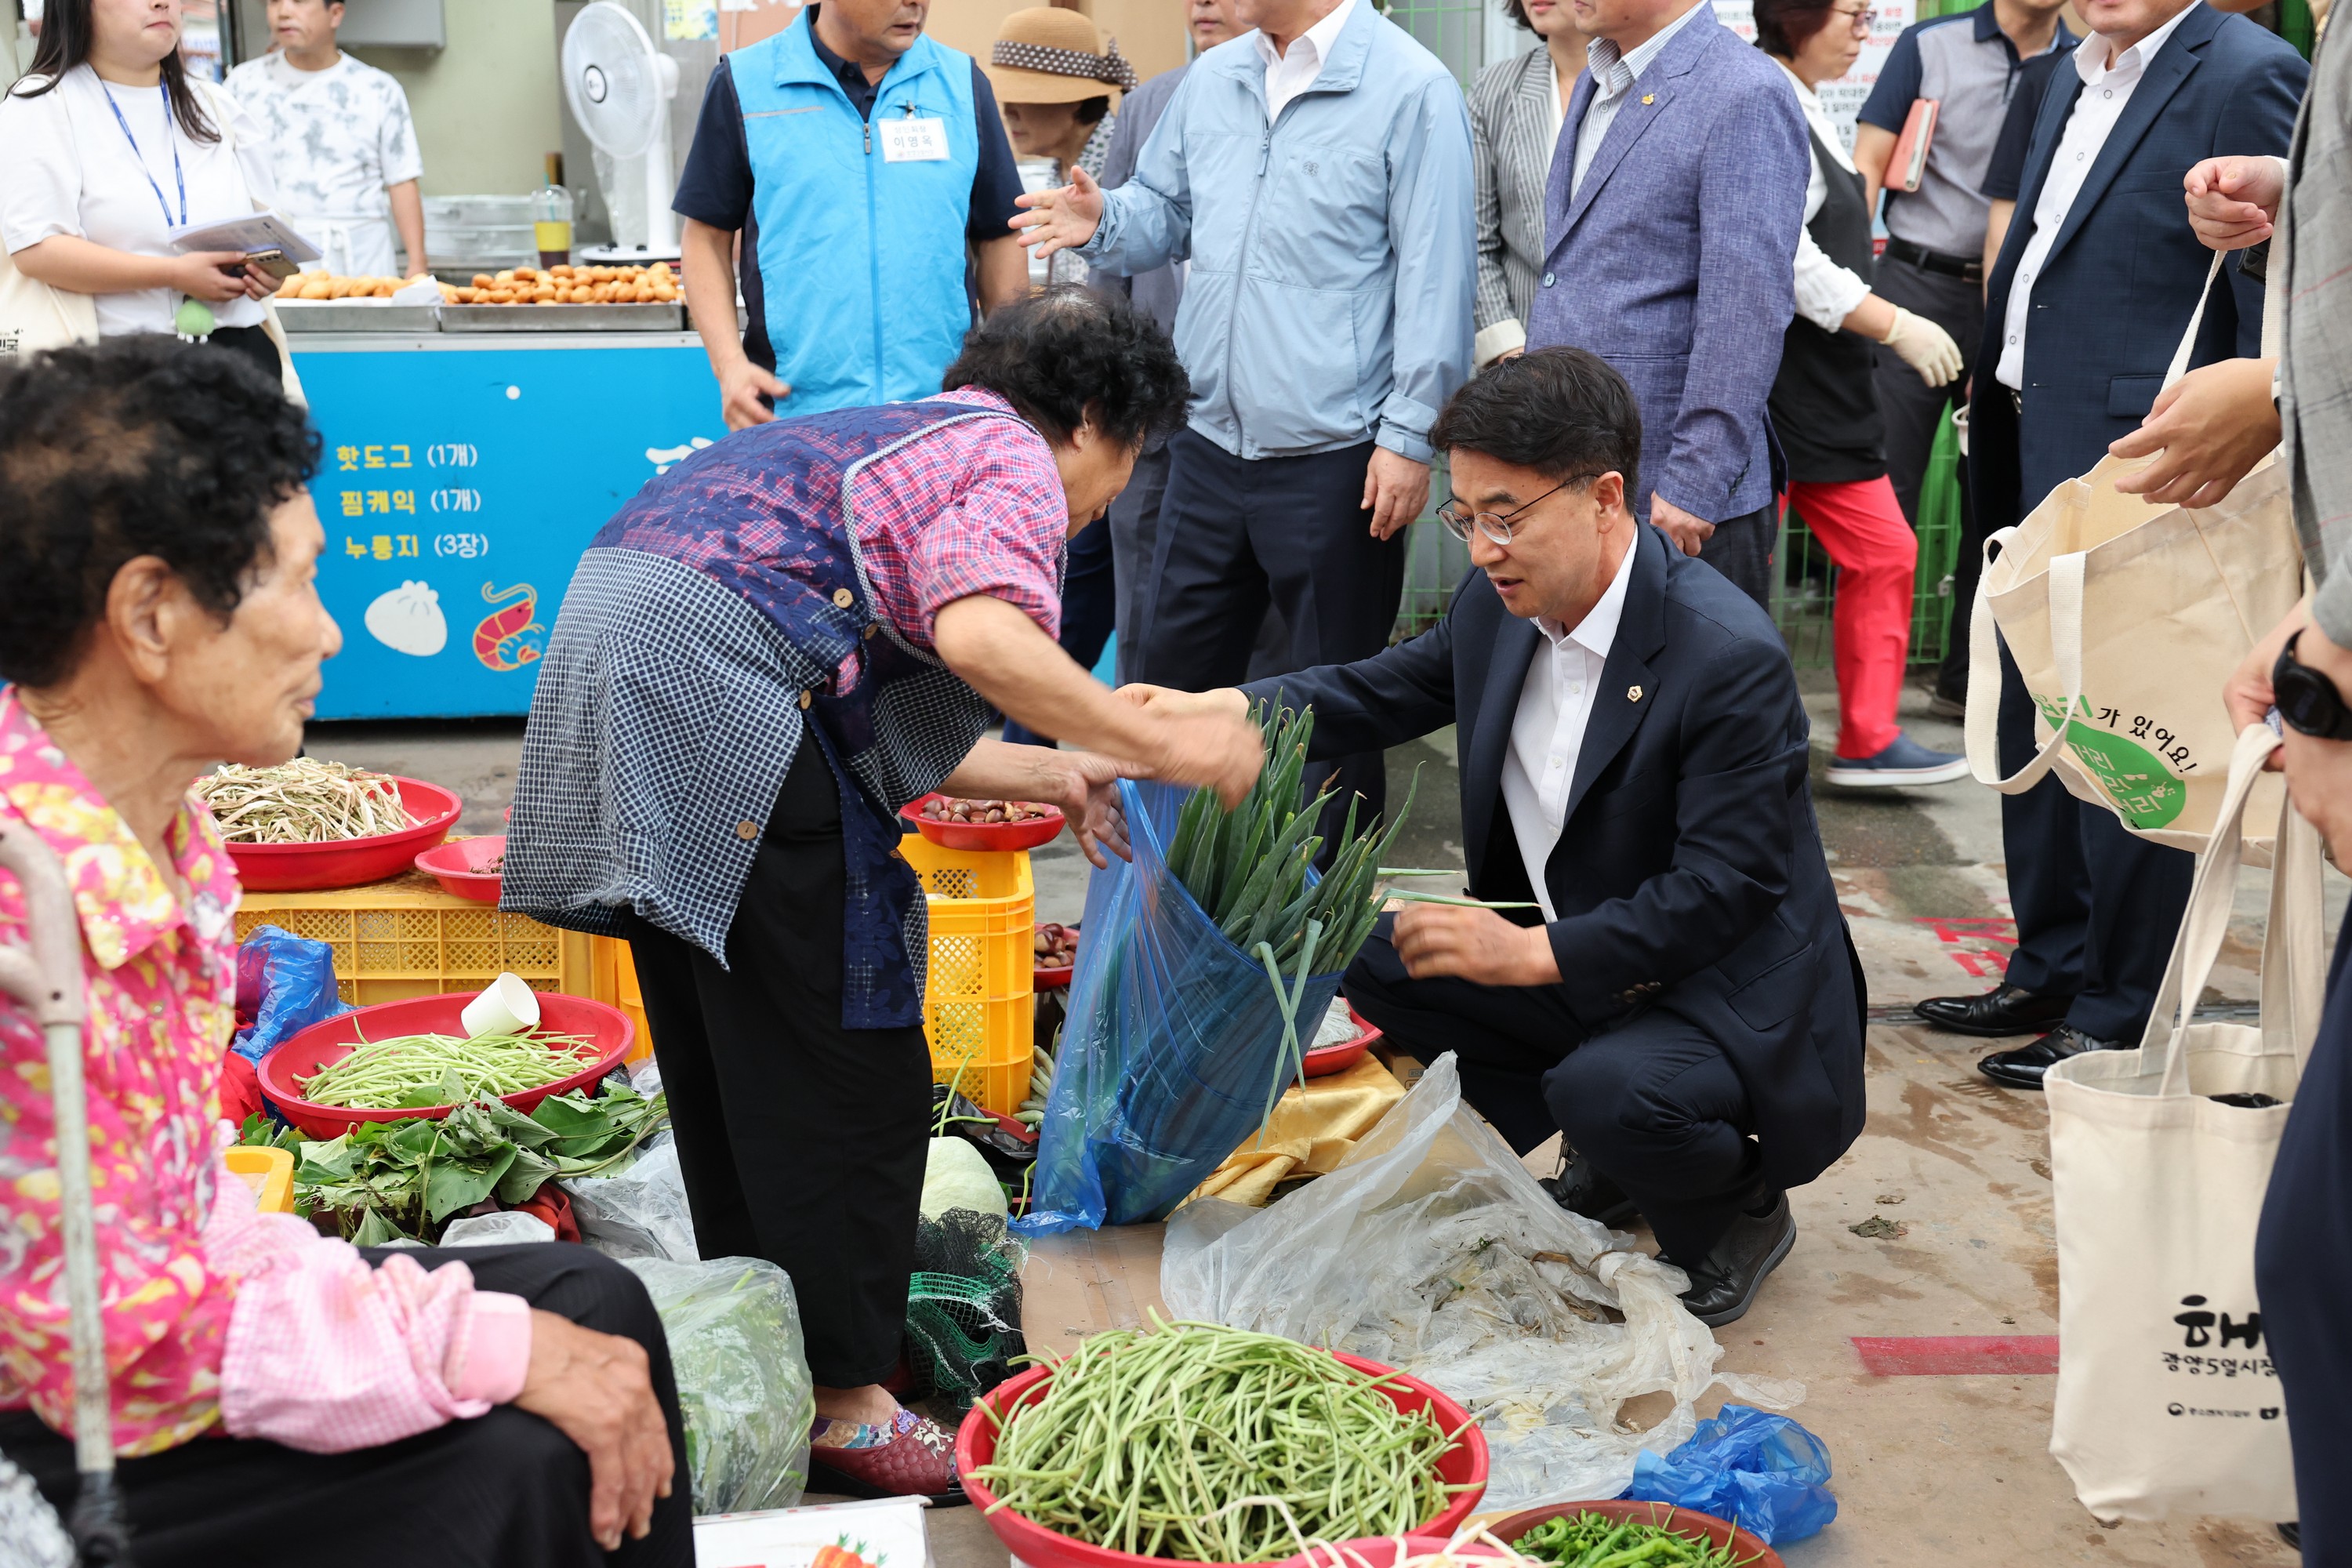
(1476,945)
(1063,218)
(2234,202)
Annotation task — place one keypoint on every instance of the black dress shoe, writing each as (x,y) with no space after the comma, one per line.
(1580,1188)
(2003,1010)
(1724,1283)
(2024,1067)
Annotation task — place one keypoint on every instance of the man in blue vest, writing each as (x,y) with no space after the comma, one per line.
(867,171)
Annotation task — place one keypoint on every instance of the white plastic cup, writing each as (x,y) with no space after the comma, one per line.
(506,1006)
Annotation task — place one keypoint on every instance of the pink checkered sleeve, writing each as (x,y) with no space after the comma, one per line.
(1003,535)
(327,1355)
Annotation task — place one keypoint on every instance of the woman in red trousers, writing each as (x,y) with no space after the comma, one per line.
(1825,411)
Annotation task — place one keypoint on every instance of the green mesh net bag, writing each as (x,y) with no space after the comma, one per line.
(963,1307)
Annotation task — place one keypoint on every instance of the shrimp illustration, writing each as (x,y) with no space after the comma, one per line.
(511,636)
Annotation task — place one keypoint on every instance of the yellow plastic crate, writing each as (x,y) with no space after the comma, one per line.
(407,937)
(979,1008)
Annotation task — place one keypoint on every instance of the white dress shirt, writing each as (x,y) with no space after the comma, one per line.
(1826,292)
(1613,75)
(2108,86)
(1288,75)
(1548,732)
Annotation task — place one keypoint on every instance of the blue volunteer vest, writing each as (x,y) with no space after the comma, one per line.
(862,259)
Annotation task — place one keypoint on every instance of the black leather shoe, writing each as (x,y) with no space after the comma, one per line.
(2003,1010)
(1724,1283)
(2024,1067)
(1580,1188)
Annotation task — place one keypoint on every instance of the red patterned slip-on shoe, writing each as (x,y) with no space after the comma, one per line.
(913,1456)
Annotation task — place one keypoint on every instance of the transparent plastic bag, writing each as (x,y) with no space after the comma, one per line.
(1763,1472)
(1174,1040)
(508,1228)
(285,983)
(1432,1249)
(743,1383)
(640,1213)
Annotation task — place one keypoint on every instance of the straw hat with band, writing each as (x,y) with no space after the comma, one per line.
(1050,55)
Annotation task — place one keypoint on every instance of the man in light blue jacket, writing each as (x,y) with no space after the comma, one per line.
(1317,174)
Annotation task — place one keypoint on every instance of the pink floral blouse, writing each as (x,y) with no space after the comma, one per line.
(214,1313)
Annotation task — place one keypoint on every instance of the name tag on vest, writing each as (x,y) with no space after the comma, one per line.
(912,140)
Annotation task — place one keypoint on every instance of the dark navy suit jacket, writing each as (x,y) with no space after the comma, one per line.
(1689,873)
(2117,289)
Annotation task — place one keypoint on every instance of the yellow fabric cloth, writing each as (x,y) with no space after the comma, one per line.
(1311,1131)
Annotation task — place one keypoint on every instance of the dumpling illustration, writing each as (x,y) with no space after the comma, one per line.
(407,619)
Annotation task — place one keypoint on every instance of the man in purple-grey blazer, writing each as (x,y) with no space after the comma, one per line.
(1677,193)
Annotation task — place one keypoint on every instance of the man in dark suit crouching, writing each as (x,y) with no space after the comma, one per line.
(1685,1003)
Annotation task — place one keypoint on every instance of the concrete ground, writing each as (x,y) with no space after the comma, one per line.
(1951,1470)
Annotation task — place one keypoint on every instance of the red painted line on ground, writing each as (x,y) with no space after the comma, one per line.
(1959,1355)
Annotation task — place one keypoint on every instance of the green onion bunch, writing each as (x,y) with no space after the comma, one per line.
(1206,1444)
(1247,867)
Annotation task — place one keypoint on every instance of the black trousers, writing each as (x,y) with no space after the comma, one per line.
(1089,609)
(2096,909)
(1741,549)
(1235,533)
(800,1141)
(1912,410)
(1653,1103)
(1134,529)
(503,1491)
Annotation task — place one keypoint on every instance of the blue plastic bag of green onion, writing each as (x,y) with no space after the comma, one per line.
(1207,963)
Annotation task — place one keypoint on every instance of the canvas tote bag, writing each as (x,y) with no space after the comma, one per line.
(2125,619)
(2167,1401)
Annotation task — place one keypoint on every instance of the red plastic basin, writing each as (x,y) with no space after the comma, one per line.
(330,1041)
(982,838)
(457,863)
(1748,1551)
(351,862)
(1324,1060)
(1042,978)
(1380,1552)
(1465,1464)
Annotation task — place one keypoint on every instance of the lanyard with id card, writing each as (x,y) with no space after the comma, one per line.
(914,138)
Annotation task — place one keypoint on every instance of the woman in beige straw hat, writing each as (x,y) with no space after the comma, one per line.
(1056,82)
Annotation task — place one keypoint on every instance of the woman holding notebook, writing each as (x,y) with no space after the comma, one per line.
(112,147)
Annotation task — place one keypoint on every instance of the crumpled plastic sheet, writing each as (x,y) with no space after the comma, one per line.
(642,1211)
(1431,1249)
(743,1383)
(508,1228)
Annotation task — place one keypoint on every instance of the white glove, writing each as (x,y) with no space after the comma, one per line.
(1924,346)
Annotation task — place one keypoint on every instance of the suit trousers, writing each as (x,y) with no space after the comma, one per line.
(1653,1102)
(504,1490)
(1134,526)
(1877,557)
(2096,909)
(1741,549)
(800,1141)
(1089,608)
(1236,533)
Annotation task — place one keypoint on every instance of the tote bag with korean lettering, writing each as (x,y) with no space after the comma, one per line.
(2124,618)
(2160,1157)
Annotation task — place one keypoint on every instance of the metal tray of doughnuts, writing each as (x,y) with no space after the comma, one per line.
(660,317)
(355,316)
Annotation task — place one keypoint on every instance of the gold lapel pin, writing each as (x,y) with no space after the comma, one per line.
(1632,694)
(1649,98)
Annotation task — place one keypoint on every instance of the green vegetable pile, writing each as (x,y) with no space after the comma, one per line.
(1248,869)
(1207,1444)
(1591,1540)
(414,1071)
(386,1180)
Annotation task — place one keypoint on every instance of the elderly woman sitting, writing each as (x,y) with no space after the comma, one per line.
(271,1386)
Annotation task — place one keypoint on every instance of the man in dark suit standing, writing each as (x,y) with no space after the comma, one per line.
(1688,1008)
(2095,282)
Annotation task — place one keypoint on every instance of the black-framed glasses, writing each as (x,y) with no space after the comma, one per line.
(1498,526)
(2308,700)
(1860,21)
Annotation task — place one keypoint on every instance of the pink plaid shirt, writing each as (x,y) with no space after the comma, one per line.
(213,1312)
(969,508)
